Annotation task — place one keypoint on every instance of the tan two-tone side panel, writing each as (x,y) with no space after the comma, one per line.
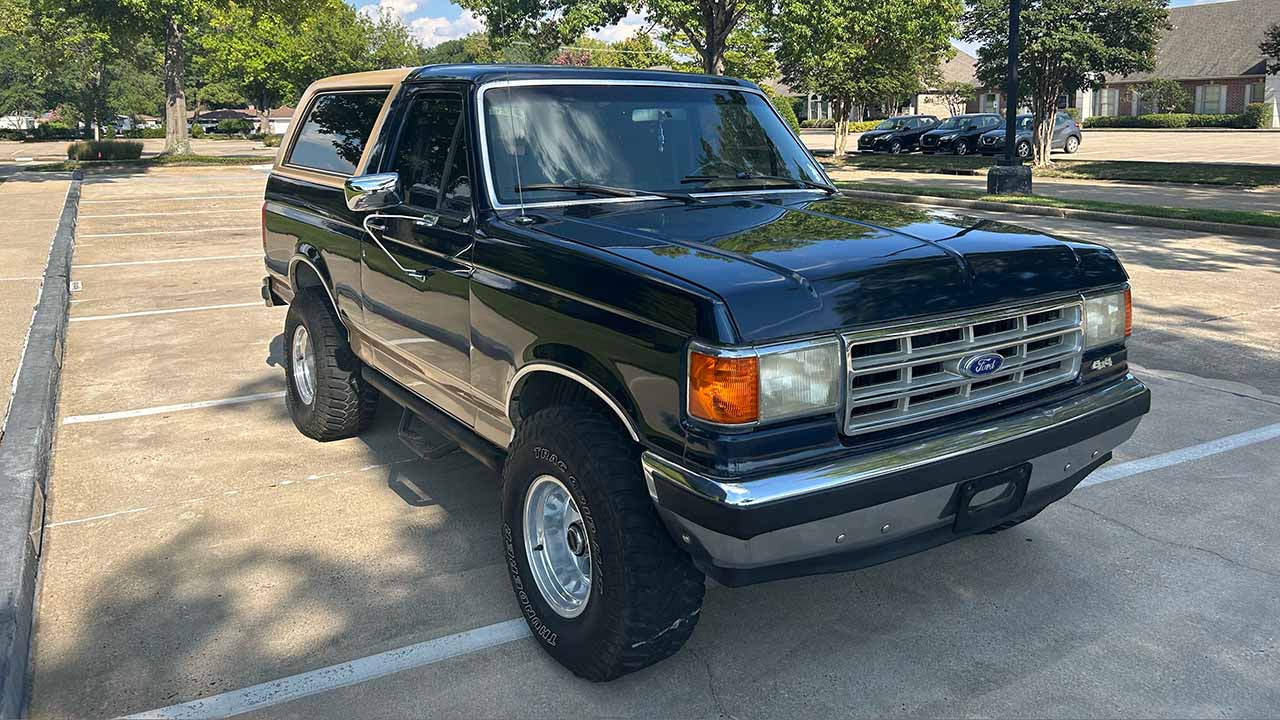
(380,80)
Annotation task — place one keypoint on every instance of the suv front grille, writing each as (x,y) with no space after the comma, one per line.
(906,374)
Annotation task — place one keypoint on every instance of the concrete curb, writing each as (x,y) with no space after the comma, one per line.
(25,451)
(1092,215)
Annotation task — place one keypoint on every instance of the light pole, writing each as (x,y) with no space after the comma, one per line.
(1010,176)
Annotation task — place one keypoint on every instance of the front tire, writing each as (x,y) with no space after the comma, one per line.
(1072,144)
(896,147)
(962,148)
(573,497)
(326,396)
(1023,149)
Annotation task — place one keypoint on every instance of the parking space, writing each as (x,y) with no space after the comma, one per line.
(198,546)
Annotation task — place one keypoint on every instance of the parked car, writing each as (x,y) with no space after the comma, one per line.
(1066,136)
(638,298)
(897,134)
(958,134)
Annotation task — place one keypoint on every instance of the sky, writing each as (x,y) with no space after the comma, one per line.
(435,21)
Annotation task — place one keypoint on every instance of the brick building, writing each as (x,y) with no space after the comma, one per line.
(1212,49)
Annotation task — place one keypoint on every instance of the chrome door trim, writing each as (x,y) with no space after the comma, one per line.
(583,380)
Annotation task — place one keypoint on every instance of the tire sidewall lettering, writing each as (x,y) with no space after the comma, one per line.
(540,629)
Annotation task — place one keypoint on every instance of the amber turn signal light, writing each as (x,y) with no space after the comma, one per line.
(724,390)
(1128,312)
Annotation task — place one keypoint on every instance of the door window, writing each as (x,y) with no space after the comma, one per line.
(333,137)
(432,155)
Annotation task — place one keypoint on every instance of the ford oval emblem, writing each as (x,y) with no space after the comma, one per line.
(979,365)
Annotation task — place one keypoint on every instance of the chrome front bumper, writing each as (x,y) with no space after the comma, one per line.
(878,505)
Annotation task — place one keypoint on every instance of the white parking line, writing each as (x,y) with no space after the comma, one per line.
(176,198)
(170,311)
(166,262)
(170,232)
(344,674)
(163,409)
(1187,454)
(171,214)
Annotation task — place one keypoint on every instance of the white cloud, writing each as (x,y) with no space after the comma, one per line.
(434,30)
(400,9)
(630,25)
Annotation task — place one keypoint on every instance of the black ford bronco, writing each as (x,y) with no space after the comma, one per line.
(638,297)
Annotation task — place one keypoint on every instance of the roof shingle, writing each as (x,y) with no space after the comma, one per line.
(1213,40)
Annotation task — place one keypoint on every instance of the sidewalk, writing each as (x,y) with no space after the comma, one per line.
(1161,195)
(32,204)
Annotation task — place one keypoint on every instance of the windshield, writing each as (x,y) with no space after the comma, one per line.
(954,123)
(1025,122)
(891,124)
(663,138)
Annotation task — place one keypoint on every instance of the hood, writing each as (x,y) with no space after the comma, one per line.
(795,265)
(873,134)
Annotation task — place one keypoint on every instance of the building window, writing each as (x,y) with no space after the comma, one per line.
(1211,99)
(989,102)
(1254,93)
(1106,101)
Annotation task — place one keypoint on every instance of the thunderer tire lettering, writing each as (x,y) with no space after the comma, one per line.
(584,509)
(540,629)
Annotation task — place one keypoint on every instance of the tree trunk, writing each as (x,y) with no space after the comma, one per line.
(176,138)
(840,110)
(1044,108)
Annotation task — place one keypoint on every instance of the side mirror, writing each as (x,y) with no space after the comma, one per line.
(372,192)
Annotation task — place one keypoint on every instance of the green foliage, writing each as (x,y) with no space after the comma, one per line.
(272,140)
(1256,115)
(783,106)
(146,133)
(1074,113)
(1270,47)
(639,51)
(853,51)
(104,150)
(542,26)
(473,48)
(1251,119)
(230,126)
(853,127)
(1065,45)
(1165,96)
(56,130)
(197,131)
(957,94)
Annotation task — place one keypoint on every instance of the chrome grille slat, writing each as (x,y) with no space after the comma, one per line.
(884,390)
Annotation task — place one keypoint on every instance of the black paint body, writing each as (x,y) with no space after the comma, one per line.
(615,292)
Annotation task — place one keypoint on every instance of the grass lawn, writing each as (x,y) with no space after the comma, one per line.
(1207,173)
(158,161)
(1237,217)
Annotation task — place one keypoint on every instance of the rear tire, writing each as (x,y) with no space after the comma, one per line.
(1023,150)
(326,396)
(962,148)
(644,594)
(1072,144)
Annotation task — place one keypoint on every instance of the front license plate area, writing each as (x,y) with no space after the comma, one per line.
(986,501)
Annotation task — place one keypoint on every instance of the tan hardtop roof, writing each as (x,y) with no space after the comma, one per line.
(363,79)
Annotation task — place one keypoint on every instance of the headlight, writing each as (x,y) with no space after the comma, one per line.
(761,385)
(1108,319)
(952,136)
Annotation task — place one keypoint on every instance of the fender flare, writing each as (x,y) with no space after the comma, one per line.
(300,257)
(542,366)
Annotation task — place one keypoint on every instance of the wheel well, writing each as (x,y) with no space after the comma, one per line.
(305,276)
(546,389)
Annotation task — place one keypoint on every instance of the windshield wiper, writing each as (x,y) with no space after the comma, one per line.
(795,182)
(608,190)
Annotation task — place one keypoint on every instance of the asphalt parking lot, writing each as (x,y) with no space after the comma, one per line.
(1223,146)
(198,546)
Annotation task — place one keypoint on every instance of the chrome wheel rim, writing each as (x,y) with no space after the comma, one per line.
(1072,144)
(1024,150)
(304,365)
(557,546)
(962,149)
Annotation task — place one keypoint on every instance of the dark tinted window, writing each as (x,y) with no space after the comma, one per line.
(335,131)
(432,156)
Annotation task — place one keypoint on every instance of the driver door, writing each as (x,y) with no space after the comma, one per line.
(416,269)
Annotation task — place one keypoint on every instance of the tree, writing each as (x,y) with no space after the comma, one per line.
(706,25)
(543,26)
(257,53)
(957,94)
(638,51)
(1065,45)
(473,48)
(854,51)
(748,51)
(1270,46)
(1164,96)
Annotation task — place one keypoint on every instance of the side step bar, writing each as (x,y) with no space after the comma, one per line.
(466,438)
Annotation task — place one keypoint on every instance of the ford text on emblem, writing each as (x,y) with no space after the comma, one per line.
(979,365)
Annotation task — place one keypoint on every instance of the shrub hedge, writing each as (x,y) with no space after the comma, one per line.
(1253,117)
(232,125)
(860,126)
(104,150)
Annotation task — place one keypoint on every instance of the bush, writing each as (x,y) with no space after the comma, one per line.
(105,150)
(197,131)
(783,106)
(1169,120)
(1074,113)
(54,131)
(274,140)
(1256,115)
(231,126)
(146,133)
(863,126)
(10,134)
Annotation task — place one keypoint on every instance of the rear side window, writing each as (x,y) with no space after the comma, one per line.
(333,137)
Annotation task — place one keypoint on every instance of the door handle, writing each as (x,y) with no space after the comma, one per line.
(426,221)
(377,225)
